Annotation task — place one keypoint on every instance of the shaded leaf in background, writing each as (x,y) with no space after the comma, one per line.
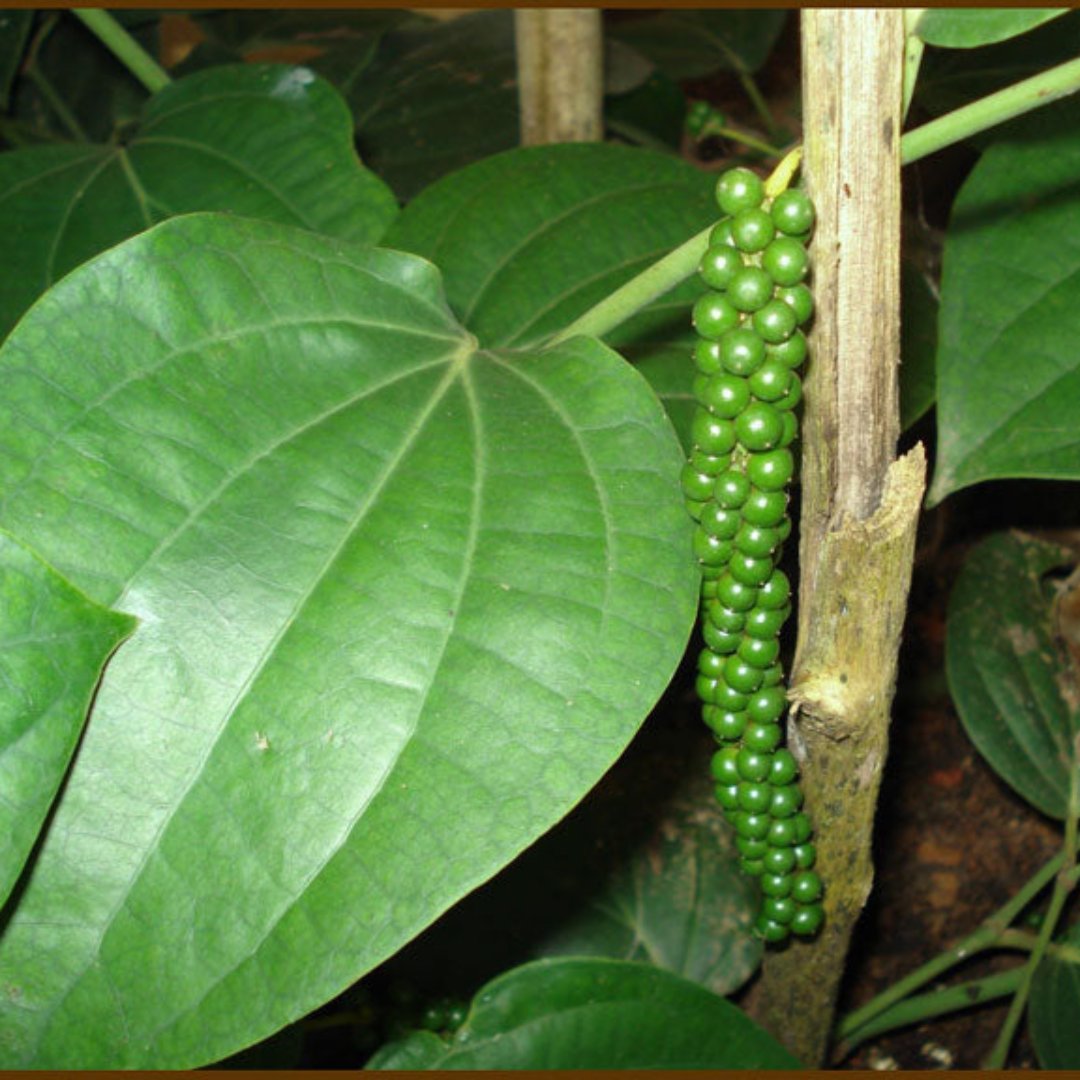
(967,28)
(270,142)
(645,841)
(1053,1008)
(337,45)
(949,78)
(54,642)
(918,344)
(593,1014)
(435,98)
(625,69)
(682,904)
(14,30)
(94,88)
(1008,370)
(1015,690)
(692,44)
(655,110)
(371,664)
(507,234)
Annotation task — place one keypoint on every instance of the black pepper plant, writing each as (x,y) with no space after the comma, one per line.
(344,544)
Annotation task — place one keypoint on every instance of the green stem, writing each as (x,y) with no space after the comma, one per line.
(681,263)
(652,282)
(938,1003)
(126,49)
(1013,101)
(1024,939)
(749,85)
(740,137)
(985,937)
(757,99)
(1063,884)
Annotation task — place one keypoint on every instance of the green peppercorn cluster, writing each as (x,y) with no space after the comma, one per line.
(750,346)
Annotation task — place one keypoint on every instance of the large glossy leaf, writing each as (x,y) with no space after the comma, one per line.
(1054,1006)
(436,98)
(593,1014)
(967,28)
(1008,369)
(1015,689)
(507,233)
(265,141)
(53,644)
(692,44)
(402,602)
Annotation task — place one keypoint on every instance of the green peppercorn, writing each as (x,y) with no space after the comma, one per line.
(760,426)
(714,315)
(792,212)
(775,322)
(719,264)
(752,229)
(759,652)
(740,189)
(741,351)
(764,739)
(749,290)
(808,920)
(805,887)
(785,261)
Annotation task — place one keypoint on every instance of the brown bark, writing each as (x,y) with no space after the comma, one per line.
(859,505)
(560,74)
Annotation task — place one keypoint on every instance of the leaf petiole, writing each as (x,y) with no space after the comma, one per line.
(1013,101)
(987,936)
(1064,881)
(915,1010)
(678,265)
(124,47)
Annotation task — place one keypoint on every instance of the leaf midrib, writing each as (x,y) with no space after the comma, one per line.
(609,545)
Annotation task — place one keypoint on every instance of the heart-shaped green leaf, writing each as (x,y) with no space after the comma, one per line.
(507,233)
(264,141)
(1008,370)
(1055,994)
(593,1014)
(53,644)
(968,28)
(1014,687)
(402,602)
